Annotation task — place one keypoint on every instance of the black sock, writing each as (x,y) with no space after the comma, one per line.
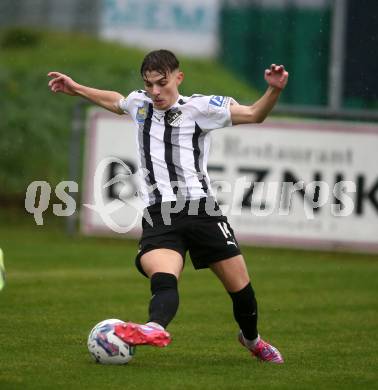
(245,311)
(165,298)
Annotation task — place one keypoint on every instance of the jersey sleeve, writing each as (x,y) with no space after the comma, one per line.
(126,104)
(213,112)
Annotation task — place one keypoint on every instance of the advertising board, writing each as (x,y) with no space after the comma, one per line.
(286,183)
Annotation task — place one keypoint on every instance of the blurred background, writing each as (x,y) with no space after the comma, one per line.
(325,43)
(328,46)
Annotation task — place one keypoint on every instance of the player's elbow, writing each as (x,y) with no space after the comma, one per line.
(256,116)
(247,115)
(260,120)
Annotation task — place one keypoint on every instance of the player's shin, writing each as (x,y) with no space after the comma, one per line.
(245,311)
(165,299)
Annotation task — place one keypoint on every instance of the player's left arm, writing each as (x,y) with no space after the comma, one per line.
(276,77)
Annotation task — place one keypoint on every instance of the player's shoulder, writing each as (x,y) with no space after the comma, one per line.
(196,100)
(138,94)
(133,100)
(137,98)
(204,102)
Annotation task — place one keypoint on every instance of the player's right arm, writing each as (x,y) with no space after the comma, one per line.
(107,99)
(276,77)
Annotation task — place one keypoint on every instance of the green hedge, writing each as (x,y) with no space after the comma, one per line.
(35,124)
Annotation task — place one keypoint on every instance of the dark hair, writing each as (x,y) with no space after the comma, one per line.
(162,61)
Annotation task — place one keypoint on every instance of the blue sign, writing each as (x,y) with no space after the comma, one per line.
(163,16)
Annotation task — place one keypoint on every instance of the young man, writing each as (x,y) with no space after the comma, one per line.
(173,145)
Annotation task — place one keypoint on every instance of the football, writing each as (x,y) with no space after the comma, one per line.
(105,347)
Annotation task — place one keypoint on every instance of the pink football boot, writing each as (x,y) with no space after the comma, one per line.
(137,334)
(263,351)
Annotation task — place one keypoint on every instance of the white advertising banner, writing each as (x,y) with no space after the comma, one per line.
(186,27)
(283,183)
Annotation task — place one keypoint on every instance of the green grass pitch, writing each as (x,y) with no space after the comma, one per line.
(319,309)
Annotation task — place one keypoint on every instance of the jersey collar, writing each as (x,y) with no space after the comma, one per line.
(174,105)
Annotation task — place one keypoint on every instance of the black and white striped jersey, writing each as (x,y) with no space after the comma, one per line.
(173,145)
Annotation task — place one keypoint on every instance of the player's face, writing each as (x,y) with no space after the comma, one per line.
(163,89)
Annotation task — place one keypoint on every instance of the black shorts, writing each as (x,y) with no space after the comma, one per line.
(209,238)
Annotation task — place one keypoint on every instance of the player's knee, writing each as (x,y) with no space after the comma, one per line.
(161,261)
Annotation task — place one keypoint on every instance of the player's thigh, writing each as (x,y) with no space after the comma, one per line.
(162,260)
(232,272)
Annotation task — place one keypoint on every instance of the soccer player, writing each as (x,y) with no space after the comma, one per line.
(172,133)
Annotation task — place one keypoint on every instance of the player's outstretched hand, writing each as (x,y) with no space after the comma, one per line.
(276,76)
(62,83)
